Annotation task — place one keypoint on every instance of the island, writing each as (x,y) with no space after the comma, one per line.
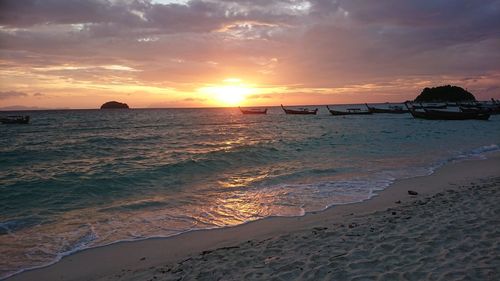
(114,105)
(446,93)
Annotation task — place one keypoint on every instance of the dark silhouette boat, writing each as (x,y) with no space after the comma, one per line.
(433,114)
(492,109)
(253,110)
(301,111)
(394,109)
(350,111)
(17,119)
(429,106)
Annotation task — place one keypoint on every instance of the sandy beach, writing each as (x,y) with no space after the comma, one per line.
(450,230)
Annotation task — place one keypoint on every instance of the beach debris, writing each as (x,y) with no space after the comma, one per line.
(411,192)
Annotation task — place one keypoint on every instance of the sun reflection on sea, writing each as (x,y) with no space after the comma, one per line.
(241,180)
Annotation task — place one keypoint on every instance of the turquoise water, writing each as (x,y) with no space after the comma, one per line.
(85,178)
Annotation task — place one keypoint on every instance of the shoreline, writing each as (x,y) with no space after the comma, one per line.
(105,261)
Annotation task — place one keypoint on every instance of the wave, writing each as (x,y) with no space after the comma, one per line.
(81,244)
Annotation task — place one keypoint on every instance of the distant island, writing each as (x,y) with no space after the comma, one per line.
(114,105)
(446,93)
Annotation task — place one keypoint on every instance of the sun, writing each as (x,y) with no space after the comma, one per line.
(232,93)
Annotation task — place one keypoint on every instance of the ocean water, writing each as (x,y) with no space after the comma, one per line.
(77,179)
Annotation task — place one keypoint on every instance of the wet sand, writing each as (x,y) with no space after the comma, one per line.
(450,230)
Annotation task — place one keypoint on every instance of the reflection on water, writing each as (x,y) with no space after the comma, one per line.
(77,179)
(243,179)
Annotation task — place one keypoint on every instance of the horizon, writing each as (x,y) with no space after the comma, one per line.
(207,53)
(23,108)
(20,108)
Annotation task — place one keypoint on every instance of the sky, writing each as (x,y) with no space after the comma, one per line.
(205,53)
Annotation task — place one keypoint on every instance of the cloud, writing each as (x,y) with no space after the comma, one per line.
(282,43)
(33,12)
(11,94)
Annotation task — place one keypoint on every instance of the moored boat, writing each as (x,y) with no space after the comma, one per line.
(253,110)
(350,111)
(15,119)
(492,109)
(300,111)
(429,106)
(433,114)
(392,109)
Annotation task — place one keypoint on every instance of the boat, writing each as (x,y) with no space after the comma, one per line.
(430,106)
(350,111)
(433,114)
(394,109)
(253,110)
(301,111)
(490,109)
(15,119)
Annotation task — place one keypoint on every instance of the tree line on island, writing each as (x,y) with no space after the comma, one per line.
(446,93)
(114,105)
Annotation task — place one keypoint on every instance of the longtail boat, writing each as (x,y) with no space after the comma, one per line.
(350,111)
(18,119)
(432,114)
(490,109)
(392,109)
(253,110)
(300,111)
(430,106)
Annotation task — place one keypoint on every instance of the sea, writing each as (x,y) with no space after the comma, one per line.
(77,179)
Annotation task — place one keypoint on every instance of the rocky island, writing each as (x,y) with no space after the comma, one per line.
(114,105)
(446,93)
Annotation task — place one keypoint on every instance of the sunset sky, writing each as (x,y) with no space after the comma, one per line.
(175,53)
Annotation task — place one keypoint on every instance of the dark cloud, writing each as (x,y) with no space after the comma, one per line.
(33,12)
(136,15)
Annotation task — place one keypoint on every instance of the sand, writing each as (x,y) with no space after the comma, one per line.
(449,231)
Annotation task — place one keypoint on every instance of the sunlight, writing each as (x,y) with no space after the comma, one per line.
(232,93)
